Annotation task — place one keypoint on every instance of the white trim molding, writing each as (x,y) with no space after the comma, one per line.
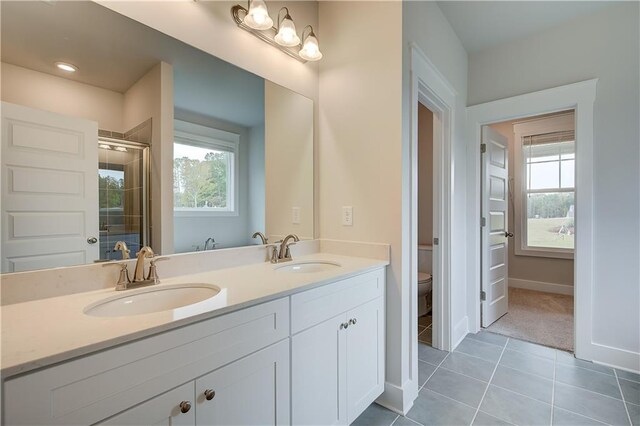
(208,137)
(580,97)
(431,88)
(541,286)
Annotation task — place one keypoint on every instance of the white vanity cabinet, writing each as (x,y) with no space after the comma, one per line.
(93,388)
(251,391)
(315,357)
(337,350)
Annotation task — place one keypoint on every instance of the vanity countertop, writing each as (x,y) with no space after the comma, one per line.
(43,332)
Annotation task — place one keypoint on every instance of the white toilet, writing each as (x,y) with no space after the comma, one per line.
(425,287)
(425,282)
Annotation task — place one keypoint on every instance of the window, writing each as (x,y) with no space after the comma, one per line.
(204,171)
(545,182)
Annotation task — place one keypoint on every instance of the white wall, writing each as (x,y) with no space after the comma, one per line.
(288,141)
(606,46)
(360,147)
(56,94)
(425,25)
(256,180)
(152,97)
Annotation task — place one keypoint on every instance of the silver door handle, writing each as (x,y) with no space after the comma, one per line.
(92,240)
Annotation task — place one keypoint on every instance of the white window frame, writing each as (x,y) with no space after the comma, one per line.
(559,123)
(207,137)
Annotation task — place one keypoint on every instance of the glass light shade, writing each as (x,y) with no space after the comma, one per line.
(287,35)
(258,16)
(310,50)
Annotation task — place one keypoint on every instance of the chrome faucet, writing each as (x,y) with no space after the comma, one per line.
(283,254)
(263,238)
(213,243)
(145,252)
(122,247)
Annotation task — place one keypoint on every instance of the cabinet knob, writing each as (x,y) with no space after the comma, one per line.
(353,321)
(344,325)
(209,394)
(185,406)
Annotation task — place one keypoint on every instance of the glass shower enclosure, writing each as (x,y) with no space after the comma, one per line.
(123,184)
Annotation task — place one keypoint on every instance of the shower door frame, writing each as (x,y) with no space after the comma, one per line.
(146,185)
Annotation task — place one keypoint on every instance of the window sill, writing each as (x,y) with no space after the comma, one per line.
(196,213)
(553,254)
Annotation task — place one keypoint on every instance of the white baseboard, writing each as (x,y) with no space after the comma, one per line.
(615,357)
(398,399)
(459,332)
(541,286)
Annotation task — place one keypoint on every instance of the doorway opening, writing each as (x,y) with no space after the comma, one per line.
(425,224)
(528,208)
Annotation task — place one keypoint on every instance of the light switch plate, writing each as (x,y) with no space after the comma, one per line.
(295,215)
(347,216)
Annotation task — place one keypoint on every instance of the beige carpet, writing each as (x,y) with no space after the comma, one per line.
(543,318)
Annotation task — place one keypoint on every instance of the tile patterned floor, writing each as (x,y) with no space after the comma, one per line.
(424,329)
(495,380)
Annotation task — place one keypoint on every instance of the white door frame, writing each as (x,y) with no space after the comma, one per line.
(430,88)
(581,97)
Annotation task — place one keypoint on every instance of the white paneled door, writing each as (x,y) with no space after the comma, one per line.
(495,191)
(49,189)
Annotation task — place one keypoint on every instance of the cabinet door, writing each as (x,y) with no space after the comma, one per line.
(318,385)
(365,356)
(251,391)
(163,410)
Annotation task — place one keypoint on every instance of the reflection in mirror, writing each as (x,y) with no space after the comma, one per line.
(122,195)
(141,139)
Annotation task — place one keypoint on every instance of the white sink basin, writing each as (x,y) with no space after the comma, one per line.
(308,267)
(152,299)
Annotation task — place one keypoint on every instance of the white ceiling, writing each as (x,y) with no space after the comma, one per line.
(484,24)
(113,52)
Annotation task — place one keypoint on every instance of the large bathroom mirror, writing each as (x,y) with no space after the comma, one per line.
(114,132)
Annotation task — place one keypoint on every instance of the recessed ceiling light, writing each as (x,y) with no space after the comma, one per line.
(64,66)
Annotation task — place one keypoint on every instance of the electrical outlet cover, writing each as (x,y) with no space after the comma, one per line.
(295,215)
(347,216)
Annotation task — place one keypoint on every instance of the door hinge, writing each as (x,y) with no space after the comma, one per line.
(483,148)
(436,241)
(483,221)
(483,296)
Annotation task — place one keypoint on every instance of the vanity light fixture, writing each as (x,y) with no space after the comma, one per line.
(120,148)
(257,16)
(104,146)
(65,66)
(286,30)
(310,49)
(283,37)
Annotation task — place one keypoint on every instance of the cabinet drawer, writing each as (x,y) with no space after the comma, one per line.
(97,386)
(319,304)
